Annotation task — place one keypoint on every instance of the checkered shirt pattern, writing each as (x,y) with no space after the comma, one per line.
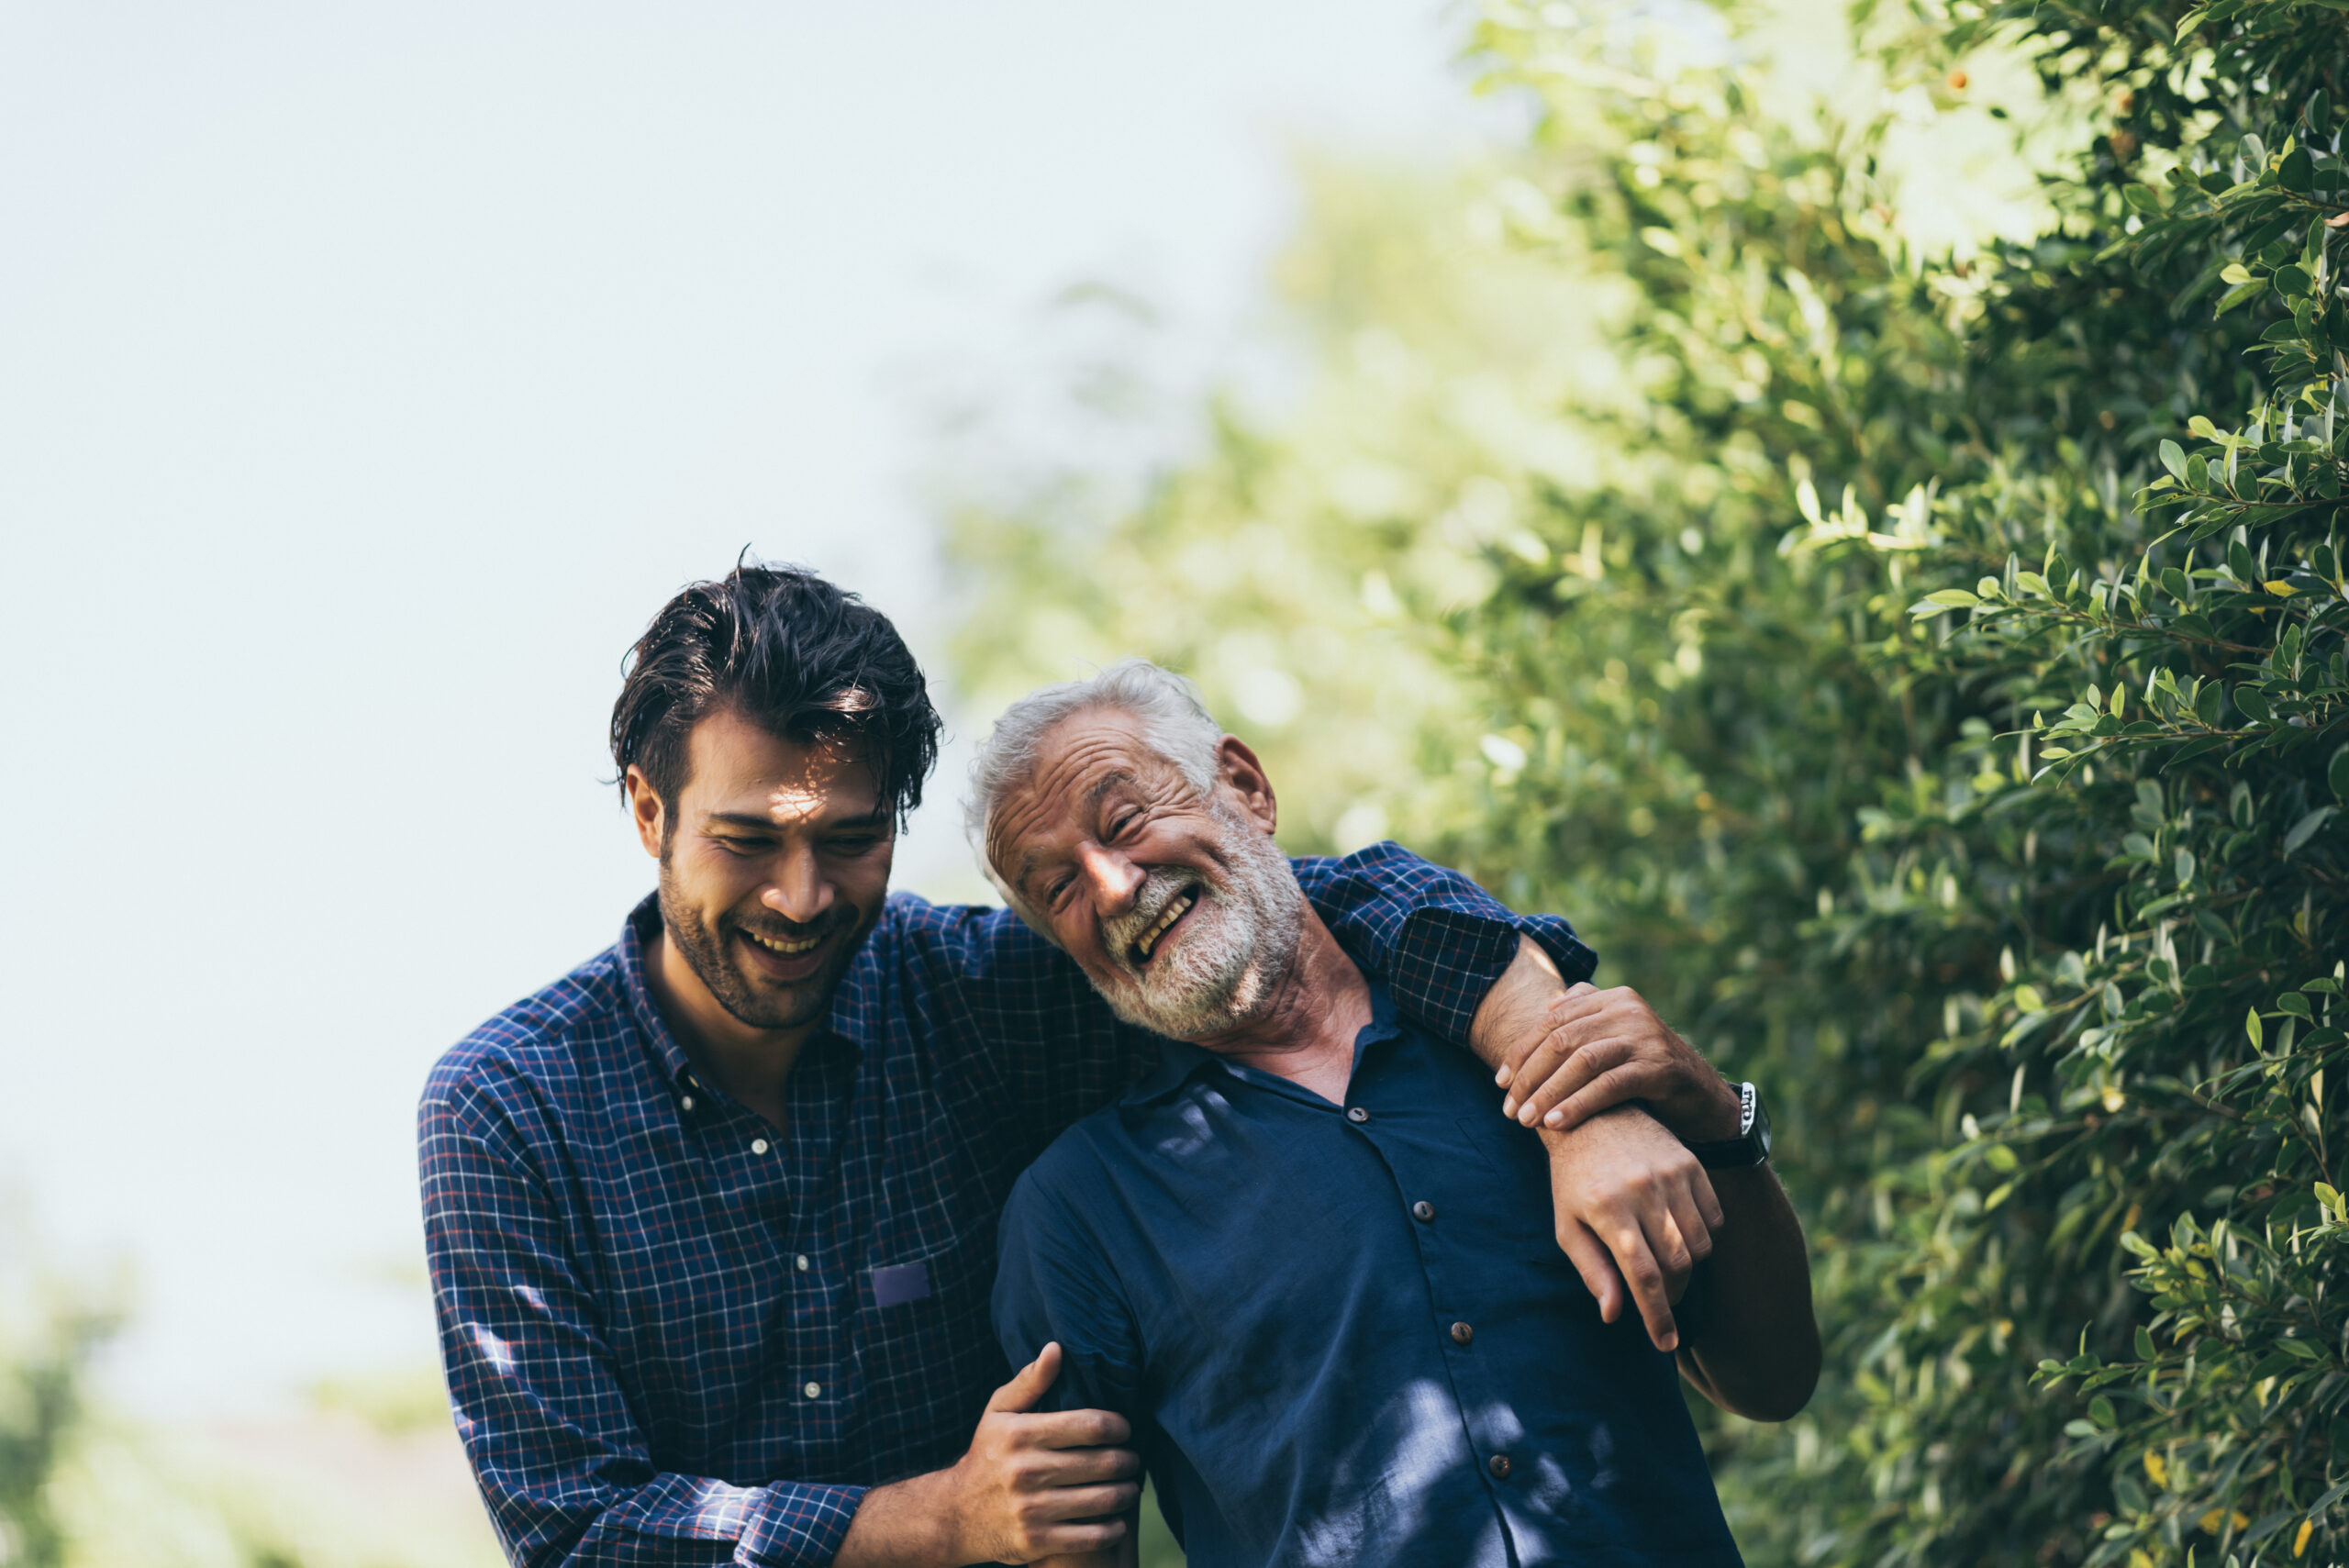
(657,1312)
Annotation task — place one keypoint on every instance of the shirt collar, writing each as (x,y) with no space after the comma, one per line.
(852,1011)
(1178,1059)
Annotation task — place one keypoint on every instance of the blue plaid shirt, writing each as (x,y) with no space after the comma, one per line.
(664,1336)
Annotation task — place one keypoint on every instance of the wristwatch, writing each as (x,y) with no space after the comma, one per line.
(1751,1144)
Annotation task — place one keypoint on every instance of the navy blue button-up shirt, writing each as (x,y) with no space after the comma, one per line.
(1346,1334)
(674,1334)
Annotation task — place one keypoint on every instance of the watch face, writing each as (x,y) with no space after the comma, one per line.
(1761,1124)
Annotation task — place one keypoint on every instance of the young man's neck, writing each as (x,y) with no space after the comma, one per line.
(751,1064)
(1307,1033)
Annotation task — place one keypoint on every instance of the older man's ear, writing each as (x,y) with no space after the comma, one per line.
(1245,776)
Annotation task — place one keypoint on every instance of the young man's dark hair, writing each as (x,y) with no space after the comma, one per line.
(803,660)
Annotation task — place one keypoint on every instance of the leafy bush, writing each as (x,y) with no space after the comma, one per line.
(1919,667)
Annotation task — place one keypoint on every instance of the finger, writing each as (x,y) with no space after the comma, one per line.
(1669,1246)
(1541,1066)
(1076,1539)
(1625,1081)
(1074,1429)
(1062,1503)
(1030,1384)
(1576,1072)
(1591,1260)
(1081,1466)
(1694,1233)
(1513,1057)
(1709,1203)
(1643,1277)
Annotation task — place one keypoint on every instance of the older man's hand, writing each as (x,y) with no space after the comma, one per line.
(1635,1213)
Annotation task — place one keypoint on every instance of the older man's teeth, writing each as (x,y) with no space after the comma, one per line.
(786,949)
(1149,940)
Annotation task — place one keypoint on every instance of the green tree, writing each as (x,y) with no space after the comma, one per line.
(1916,665)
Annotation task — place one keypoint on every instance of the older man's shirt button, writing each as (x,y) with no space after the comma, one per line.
(800,1262)
(814,1391)
(1356,1114)
(687,1102)
(758,1146)
(1461,1333)
(1424,1211)
(1499,1465)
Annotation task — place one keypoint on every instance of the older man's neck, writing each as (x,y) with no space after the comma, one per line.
(1307,1032)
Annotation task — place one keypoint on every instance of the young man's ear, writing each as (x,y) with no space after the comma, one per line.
(644,809)
(1245,776)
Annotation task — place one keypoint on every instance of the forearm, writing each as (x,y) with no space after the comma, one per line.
(1757,1352)
(907,1524)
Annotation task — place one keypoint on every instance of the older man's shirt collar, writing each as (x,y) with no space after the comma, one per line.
(1179,1059)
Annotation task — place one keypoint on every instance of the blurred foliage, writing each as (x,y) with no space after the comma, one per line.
(1893,602)
(46,1342)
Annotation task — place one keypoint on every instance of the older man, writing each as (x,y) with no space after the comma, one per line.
(1304,1258)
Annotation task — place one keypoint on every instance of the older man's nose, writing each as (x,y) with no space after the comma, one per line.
(1114,879)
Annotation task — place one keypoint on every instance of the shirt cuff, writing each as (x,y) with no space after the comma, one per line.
(1451,959)
(793,1526)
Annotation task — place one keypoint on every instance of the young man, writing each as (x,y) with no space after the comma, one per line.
(1301,1256)
(711,1220)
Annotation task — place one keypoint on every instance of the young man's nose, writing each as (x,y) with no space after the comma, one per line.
(1114,879)
(799,892)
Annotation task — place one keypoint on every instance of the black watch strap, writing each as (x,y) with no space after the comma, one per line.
(1751,1144)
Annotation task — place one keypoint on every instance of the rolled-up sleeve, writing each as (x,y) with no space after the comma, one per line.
(565,1470)
(1438,939)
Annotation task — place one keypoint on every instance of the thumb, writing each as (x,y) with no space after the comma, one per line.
(1030,1384)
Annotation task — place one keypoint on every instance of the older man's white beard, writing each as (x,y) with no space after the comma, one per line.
(1236,949)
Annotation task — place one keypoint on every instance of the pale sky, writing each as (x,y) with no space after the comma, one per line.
(368,376)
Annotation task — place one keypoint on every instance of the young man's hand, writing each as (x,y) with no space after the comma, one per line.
(1566,1053)
(1032,1486)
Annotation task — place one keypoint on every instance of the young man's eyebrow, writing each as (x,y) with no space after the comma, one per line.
(752,819)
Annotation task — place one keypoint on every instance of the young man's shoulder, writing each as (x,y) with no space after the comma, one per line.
(542,1037)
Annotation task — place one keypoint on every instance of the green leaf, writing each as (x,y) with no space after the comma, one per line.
(2292,1001)
(2338,774)
(2027,998)
(2254,702)
(1953,598)
(2240,561)
(2100,1411)
(2250,1027)
(2173,458)
(2306,828)
(2241,293)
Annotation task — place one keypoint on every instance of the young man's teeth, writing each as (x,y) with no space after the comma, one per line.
(786,949)
(1149,940)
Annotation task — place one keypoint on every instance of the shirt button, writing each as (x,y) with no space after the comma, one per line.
(1461,1333)
(1424,1211)
(687,1102)
(758,1146)
(1356,1114)
(816,1391)
(800,1262)
(1499,1465)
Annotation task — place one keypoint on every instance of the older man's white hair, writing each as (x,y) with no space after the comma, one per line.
(1174,721)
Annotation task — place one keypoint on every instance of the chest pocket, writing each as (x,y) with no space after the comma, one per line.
(926,1356)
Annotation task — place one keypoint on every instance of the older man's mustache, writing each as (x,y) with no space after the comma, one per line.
(1164,898)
